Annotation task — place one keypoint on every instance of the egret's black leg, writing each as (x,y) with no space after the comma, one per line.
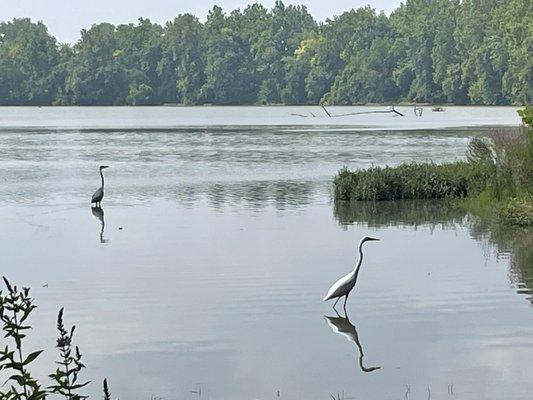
(345,300)
(338,298)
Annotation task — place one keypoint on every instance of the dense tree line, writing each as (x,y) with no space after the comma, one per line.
(470,51)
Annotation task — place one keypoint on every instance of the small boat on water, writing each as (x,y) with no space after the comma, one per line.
(437,109)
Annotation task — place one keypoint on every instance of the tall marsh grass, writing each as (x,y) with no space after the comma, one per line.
(510,154)
(412,181)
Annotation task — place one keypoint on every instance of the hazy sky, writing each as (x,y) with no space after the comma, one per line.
(65,18)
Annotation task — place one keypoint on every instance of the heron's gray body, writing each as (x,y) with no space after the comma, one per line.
(99,194)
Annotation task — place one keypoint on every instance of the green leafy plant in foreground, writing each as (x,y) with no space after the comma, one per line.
(15,308)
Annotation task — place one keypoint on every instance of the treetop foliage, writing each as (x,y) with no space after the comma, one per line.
(464,52)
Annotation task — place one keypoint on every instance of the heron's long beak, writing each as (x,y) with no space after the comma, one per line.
(373,238)
(105,166)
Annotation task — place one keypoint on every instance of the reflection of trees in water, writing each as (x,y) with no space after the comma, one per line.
(512,242)
(403,213)
(522,264)
(253,194)
(282,194)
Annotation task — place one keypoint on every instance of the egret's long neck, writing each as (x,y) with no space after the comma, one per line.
(359,260)
(102,176)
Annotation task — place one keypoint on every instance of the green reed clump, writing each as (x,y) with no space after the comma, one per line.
(411,181)
(15,308)
(517,211)
(66,376)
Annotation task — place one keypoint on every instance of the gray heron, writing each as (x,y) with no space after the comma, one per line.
(99,194)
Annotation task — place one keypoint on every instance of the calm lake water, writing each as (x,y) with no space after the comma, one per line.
(203,276)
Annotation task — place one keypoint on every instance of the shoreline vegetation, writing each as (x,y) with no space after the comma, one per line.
(496,180)
(431,52)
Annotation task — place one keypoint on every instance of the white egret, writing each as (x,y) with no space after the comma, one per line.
(344,286)
(99,194)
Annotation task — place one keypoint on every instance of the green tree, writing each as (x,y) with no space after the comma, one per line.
(140,50)
(469,51)
(369,62)
(29,57)
(512,21)
(181,69)
(97,76)
(287,27)
(479,52)
(416,24)
(229,66)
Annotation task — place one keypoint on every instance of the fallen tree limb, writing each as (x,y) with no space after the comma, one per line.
(392,110)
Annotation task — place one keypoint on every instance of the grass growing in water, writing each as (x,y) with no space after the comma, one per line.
(498,175)
(412,181)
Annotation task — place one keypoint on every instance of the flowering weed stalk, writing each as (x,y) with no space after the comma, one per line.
(66,376)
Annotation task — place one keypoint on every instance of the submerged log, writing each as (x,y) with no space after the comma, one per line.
(325,109)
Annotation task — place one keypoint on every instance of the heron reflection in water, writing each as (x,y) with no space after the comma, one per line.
(98,212)
(344,327)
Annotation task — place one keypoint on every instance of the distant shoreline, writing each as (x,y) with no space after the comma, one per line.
(264,105)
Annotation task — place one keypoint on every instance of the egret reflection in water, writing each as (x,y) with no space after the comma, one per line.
(98,212)
(344,327)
